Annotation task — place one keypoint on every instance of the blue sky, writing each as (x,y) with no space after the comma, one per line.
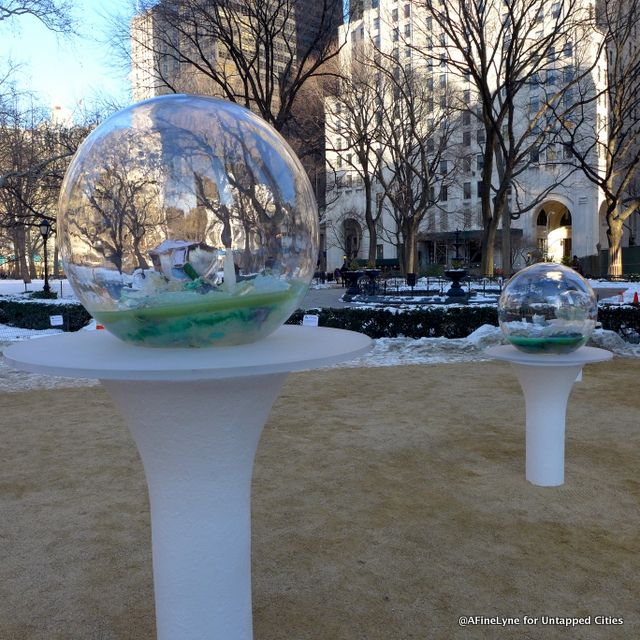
(64,70)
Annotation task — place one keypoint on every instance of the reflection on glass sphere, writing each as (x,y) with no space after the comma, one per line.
(547,308)
(188,221)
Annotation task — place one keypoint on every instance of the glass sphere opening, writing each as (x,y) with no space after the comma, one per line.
(188,221)
(547,308)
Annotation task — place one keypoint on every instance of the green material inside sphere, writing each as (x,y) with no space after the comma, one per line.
(550,344)
(214,321)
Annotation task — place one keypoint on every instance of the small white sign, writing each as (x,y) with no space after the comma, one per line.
(56,321)
(310,320)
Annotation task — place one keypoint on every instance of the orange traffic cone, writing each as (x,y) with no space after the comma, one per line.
(635,298)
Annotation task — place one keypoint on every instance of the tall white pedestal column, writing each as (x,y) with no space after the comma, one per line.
(546,382)
(197,441)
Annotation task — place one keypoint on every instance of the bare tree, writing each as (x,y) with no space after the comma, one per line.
(417,164)
(354,125)
(605,147)
(498,48)
(54,14)
(34,155)
(259,54)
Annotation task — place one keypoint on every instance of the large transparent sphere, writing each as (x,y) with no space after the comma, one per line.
(547,308)
(188,221)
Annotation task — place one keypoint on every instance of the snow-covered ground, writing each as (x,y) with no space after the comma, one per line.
(386,351)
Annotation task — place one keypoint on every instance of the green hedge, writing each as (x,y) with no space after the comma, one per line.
(36,315)
(450,322)
(624,320)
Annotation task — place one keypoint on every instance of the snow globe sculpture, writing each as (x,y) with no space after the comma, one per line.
(547,308)
(187,221)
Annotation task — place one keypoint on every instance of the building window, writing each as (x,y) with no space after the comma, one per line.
(407,52)
(466,138)
(430,145)
(444,193)
(396,34)
(555,10)
(376,24)
(479,188)
(374,4)
(480,136)
(407,30)
(407,10)
(480,161)
(466,190)
(534,155)
(380,251)
(394,15)
(443,167)
(443,80)
(444,218)
(552,154)
(567,50)
(466,164)
(534,104)
(466,118)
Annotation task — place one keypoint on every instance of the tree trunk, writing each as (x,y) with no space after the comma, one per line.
(411,249)
(56,261)
(507,265)
(371,225)
(20,251)
(488,247)
(614,236)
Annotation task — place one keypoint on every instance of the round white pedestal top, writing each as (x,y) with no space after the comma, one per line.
(583,355)
(98,354)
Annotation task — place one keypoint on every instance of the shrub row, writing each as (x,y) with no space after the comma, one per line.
(37,315)
(624,320)
(448,322)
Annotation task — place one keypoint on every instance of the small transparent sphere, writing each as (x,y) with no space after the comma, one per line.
(547,308)
(187,221)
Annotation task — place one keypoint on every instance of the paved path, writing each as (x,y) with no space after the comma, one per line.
(324,298)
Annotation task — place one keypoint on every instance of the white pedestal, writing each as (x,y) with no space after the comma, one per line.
(546,382)
(196,416)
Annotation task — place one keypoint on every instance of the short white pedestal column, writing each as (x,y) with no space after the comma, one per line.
(546,382)
(196,416)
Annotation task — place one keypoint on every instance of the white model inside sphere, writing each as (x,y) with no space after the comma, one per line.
(188,221)
(547,308)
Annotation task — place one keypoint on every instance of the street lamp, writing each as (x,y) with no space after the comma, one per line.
(45,230)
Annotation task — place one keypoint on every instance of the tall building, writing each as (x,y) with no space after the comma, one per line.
(561,209)
(178,45)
